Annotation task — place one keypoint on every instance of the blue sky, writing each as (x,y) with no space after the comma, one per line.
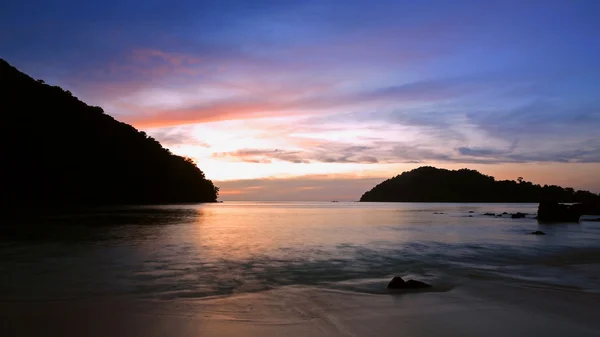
(346,91)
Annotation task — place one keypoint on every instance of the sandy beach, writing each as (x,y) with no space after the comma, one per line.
(487,309)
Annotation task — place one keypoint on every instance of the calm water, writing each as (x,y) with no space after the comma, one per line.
(194,251)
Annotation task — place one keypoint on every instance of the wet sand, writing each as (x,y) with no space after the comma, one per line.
(484,309)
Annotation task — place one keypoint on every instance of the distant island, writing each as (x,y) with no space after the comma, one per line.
(59,151)
(430,184)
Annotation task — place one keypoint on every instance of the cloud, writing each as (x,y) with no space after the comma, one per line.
(451,138)
(487,152)
(398,103)
(174,59)
(263,156)
(591,155)
(557,155)
(407,153)
(217,110)
(176,136)
(346,159)
(545,130)
(264,104)
(479,152)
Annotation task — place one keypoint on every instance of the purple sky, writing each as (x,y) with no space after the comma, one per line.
(317,100)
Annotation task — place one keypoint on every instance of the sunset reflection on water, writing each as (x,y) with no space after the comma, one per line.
(235,247)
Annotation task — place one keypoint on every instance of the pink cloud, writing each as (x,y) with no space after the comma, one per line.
(218,111)
(305,78)
(267,105)
(261,156)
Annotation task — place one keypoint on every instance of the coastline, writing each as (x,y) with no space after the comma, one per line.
(480,308)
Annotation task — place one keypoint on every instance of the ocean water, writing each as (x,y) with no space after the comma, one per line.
(207,250)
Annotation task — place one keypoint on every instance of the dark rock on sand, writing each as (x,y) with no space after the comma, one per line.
(398,283)
(538,233)
(550,211)
(518,215)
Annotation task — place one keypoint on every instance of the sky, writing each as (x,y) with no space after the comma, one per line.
(321,100)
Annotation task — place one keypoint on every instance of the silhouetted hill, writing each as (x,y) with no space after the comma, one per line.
(430,184)
(57,150)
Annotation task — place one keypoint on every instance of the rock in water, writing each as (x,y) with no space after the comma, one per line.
(538,233)
(398,283)
(518,215)
(413,284)
(550,211)
(489,214)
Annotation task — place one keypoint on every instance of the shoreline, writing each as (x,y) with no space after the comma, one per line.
(479,308)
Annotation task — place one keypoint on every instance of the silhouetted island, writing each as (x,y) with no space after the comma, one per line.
(59,151)
(430,184)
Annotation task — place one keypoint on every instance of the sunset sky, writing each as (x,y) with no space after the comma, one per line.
(321,100)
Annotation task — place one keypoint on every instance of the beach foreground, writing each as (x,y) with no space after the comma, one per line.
(487,309)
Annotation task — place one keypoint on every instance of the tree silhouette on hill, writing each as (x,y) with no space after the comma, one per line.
(57,150)
(430,184)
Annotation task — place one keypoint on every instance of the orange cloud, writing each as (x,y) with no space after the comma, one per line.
(309,188)
(218,111)
(226,192)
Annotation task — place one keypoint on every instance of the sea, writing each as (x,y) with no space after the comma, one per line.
(222,249)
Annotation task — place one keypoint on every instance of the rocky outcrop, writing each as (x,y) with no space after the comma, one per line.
(538,233)
(398,283)
(518,215)
(549,211)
